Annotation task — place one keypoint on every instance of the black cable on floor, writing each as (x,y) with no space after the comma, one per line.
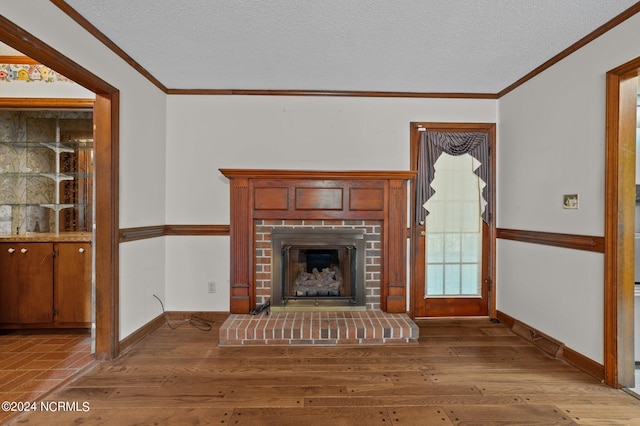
(195,321)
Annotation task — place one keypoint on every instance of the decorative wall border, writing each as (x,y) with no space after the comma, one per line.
(10,72)
(571,241)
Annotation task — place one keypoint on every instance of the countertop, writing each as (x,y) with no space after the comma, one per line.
(47,237)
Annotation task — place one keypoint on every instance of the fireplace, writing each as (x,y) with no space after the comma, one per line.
(376,201)
(318,267)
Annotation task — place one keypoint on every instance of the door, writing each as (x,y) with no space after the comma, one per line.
(452,228)
(26,286)
(9,283)
(35,278)
(72,283)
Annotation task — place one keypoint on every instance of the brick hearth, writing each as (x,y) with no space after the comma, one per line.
(372,327)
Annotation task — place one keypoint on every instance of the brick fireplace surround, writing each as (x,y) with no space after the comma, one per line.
(372,200)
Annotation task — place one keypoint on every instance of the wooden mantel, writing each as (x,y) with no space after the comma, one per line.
(318,195)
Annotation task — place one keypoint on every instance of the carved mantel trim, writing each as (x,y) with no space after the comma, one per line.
(319,174)
(312,194)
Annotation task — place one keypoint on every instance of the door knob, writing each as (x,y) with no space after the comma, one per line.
(81,249)
(23,251)
(11,250)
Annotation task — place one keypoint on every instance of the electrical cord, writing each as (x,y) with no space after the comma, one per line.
(196,321)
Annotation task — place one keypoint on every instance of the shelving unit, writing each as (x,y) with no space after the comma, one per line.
(44,173)
(57,177)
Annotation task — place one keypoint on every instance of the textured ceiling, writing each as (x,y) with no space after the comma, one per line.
(453,46)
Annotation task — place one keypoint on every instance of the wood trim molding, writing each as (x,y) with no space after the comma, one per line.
(141,333)
(571,241)
(197,230)
(18,60)
(140,233)
(332,93)
(73,14)
(620,156)
(393,295)
(145,232)
(169,316)
(106,114)
(552,346)
(574,47)
(242,292)
(582,362)
(57,103)
(318,174)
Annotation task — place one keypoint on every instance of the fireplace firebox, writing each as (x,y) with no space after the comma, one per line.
(318,267)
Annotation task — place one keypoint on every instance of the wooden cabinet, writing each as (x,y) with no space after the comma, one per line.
(45,284)
(72,284)
(26,290)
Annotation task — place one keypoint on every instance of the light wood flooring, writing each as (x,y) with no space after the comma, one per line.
(461,372)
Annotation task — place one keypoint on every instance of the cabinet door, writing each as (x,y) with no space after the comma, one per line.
(35,281)
(72,282)
(9,283)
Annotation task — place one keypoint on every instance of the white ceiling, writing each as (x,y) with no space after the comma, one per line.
(451,46)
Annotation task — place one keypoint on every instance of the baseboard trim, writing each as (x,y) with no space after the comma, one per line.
(552,346)
(213,316)
(141,333)
(583,363)
(173,317)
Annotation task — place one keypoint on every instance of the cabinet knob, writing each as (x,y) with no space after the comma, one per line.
(11,250)
(81,249)
(23,251)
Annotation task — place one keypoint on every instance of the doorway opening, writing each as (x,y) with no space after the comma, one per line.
(105,121)
(621,106)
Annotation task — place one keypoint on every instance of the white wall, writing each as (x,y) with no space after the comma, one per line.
(142,151)
(556,290)
(555,121)
(192,263)
(39,89)
(205,133)
(551,139)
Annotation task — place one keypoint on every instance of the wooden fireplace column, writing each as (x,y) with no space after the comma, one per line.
(318,195)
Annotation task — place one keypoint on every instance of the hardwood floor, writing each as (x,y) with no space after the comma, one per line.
(461,372)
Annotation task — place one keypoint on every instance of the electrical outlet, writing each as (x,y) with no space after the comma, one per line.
(211,286)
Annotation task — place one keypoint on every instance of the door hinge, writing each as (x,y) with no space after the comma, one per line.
(55,312)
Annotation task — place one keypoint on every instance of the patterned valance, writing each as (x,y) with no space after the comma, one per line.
(432,145)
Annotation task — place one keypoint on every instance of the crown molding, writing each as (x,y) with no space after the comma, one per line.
(73,14)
